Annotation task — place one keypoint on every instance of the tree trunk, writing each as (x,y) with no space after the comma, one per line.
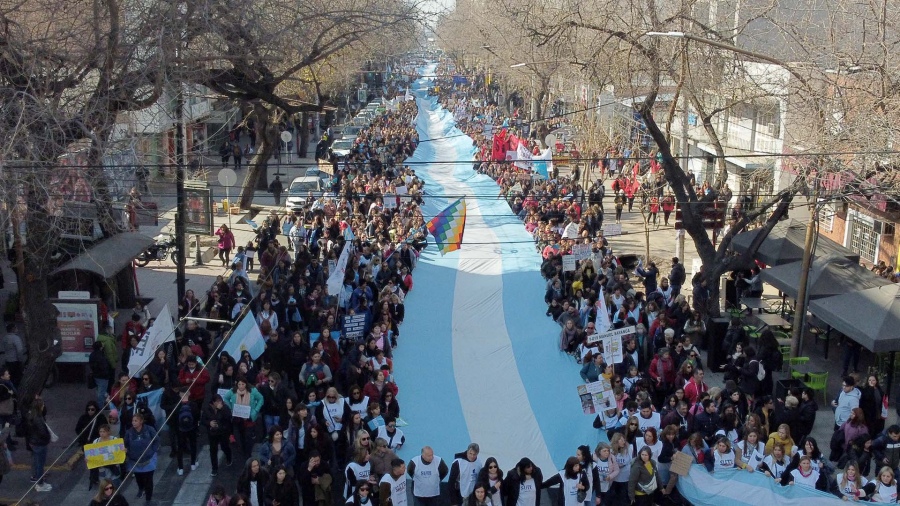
(38,313)
(303,135)
(257,168)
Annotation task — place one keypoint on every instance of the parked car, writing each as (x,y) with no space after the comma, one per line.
(341,148)
(300,188)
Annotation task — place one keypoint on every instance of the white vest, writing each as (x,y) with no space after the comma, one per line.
(468,474)
(645,423)
(887,493)
(359,407)
(392,441)
(569,490)
(624,462)
(361,472)
(426,477)
(850,488)
(603,472)
(398,489)
(776,469)
(723,460)
(809,481)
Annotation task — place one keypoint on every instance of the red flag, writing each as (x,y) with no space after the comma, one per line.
(512,143)
(498,149)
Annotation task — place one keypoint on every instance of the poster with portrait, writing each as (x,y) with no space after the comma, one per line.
(596,397)
(198,209)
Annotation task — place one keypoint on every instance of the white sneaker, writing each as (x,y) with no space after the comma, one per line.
(46,487)
(194,466)
(180,472)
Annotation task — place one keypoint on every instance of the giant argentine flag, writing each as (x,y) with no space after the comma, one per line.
(478,360)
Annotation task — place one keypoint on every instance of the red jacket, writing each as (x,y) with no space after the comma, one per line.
(198,389)
(663,370)
(692,391)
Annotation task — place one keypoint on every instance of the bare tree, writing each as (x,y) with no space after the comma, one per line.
(272,56)
(63,80)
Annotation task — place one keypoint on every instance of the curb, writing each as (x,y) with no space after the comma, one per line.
(67,466)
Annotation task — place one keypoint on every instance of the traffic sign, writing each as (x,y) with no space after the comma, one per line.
(227,177)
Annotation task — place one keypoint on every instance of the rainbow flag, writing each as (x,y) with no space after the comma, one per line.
(448,226)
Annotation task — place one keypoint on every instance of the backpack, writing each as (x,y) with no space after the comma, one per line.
(760,370)
(186,421)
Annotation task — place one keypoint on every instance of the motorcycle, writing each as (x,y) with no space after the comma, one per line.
(165,245)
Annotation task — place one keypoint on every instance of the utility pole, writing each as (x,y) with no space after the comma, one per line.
(802,295)
(181,212)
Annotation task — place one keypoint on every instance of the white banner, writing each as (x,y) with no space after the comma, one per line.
(336,279)
(602,323)
(523,157)
(162,331)
(624,331)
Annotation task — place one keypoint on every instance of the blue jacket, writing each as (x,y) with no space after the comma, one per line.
(141,448)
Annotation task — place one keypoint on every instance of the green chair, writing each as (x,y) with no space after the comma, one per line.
(818,381)
(795,361)
(798,375)
(752,332)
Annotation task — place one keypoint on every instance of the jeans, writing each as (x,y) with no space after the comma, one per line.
(102,390)
(271,420)
(244,436)
(216,442)
(145,483)
(38,459)
(186,441)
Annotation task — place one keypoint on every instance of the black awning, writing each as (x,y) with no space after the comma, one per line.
(109,256)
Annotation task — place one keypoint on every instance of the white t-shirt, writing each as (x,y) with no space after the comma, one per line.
(527,493)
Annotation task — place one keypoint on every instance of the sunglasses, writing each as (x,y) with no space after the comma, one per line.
(392,426)
(108,488)
(492,466)
(129,398)
(632,425)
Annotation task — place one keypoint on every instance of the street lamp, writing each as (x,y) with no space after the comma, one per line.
(812,227)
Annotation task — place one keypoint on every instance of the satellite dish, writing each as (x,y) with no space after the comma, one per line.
(286,136)
(227,177)
(550,140)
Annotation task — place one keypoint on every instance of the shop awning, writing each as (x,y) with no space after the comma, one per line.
(869,317)
(784,244)
(108,256)
(828,276)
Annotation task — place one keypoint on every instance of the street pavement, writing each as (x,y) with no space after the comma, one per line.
(66,401)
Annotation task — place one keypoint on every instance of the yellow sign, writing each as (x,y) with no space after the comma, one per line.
(104,453)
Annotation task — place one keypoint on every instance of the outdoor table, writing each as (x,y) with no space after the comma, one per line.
(772,320)
(755,303)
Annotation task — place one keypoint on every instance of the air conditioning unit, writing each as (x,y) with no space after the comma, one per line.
(884,228)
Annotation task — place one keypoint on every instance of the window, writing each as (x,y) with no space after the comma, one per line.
(826,220)
(863,239)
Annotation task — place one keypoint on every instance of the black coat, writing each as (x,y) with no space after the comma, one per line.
(262,481)
(222,416)
(511,486)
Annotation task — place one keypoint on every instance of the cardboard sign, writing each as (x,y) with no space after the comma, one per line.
(681,464)
(104,453)
(612,229)
(568,263)
(581,251)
